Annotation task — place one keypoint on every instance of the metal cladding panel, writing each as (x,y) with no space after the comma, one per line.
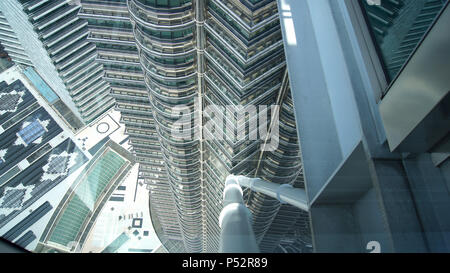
(326,113)
(415,108)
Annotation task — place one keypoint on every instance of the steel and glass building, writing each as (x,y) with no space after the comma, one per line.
(111,31)
(49,35)
(199,57)
(362,90)
(160,55)
(167,52)
(361,122)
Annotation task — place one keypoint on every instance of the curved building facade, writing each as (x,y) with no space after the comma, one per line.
(164,32)
(112,31)
(203,58)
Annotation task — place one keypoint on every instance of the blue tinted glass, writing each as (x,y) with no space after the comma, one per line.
(41,86)
(398,27)
(31,132)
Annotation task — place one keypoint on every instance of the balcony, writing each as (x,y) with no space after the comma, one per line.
(161,18)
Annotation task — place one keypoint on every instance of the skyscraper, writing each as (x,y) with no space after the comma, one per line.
(49,35)
(348,100)
(202,57)
(111,30)
(191,56)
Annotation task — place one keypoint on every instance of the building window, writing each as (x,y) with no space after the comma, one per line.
(165,3)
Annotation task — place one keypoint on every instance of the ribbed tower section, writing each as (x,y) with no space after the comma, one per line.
(244,68)
(55,41)
(12,44)
(111,30)
(272,220)
(223,57)
(165,35)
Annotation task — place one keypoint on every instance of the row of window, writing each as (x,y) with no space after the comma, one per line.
(168,34)
(117,13)
(125,77)
(164,3)
(222,15)
(117,47)
(115,24)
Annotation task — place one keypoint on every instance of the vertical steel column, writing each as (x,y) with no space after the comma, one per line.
(199,6)
(236,234)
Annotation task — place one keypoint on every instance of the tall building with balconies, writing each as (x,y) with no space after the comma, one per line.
(49,35)
(111,30)
(362,85)
(203,57)
(165,38)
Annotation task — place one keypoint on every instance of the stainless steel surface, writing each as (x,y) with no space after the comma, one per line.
(285,193)
(236,234)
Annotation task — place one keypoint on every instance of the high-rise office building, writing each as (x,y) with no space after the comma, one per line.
(111,30)
(205,57)
(356,116)
(49,35)
(362,122)
(187,62)
(167,54)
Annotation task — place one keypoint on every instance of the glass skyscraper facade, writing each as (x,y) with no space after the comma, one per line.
(206,56)
(166,50)
(160,55)
(342,103)
(111,30)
